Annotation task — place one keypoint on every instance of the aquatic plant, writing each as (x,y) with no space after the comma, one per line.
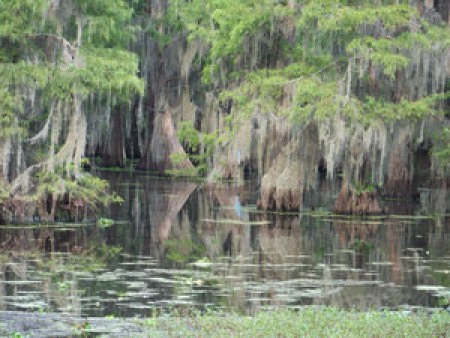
(317,322)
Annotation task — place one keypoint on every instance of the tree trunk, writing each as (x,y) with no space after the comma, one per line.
(114,156)
(145,162)
(163,144)
(443,7)
(352,202)
(132,149)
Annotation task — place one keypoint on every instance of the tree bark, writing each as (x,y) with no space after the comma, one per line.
(163,145)
(115,154)
(132,148)
(145,162)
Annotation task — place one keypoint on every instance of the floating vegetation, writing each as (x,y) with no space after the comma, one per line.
(412,217)
(54,225)
(272,212)
(368,218)
(20,282)
(141,294)
(353,221)
(135,285)
(108,277)
(382,263)
(140,263)
(104,222)
(235,222)
(202,263)
(430,288)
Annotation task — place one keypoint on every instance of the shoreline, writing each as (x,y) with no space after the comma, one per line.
(320,321)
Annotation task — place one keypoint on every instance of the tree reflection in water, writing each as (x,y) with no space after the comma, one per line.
(186,245)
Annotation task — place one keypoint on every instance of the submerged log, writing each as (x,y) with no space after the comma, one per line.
(353,202)
(66,325)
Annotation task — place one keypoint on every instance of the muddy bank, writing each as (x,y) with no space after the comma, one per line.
(60,325)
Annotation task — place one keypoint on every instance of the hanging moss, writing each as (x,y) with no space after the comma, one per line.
(47,74)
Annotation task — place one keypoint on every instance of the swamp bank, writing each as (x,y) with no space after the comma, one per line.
(317,322)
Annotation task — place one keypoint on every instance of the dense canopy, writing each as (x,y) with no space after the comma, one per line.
(66,66)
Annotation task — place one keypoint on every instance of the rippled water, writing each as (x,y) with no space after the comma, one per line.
(180,245)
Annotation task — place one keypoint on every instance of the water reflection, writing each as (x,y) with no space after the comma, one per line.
(186,245)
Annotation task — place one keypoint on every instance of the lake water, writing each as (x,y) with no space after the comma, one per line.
(181,245)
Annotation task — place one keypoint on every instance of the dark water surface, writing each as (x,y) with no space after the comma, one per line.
(181,245)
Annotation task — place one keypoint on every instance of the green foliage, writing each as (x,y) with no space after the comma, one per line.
(24,74)
(107,22)
(8,125)
(112,70)
(333,39)
(92,190)
(441,149)
(184,250)
(16,335)
(104,65)
(363,188)
(405,109)
(188,136)
(59,54)
(104,252)
(199,149)
(362,246)
(318,76)
(307,322)
(15,17)
(314,98)
(263,90)
(105,71)
(104,222)
(3,194)
(444,301)
(228,27)
(347,19)
(88,189)
(178,158)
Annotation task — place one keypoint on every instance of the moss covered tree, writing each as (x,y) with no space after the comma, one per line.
(366,63)
(54,56)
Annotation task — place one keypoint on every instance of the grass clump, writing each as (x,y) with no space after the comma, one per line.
(309,322)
